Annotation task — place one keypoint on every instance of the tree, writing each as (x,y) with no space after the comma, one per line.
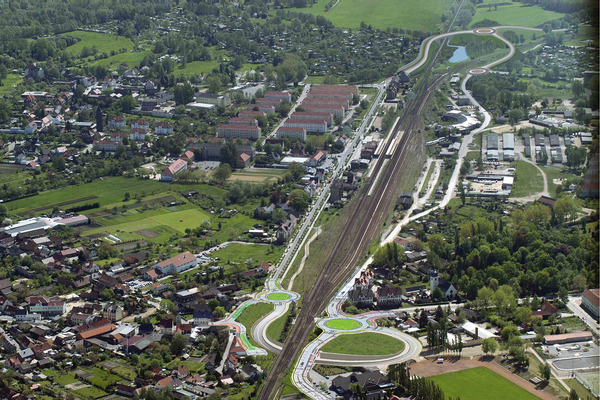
(127,103)
(575,156)
(219,312)
(437,294)
(167,305)
(577,88)
(213,304)
(299,200)
(178,343)
(3,211)
(566,209)
(388,256)
(228,153)
(573,395)
(222,173)
(545,371)
(214,84)
(183,93)
(489,345)
(99,120)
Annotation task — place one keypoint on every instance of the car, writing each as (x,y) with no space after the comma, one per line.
(440,360)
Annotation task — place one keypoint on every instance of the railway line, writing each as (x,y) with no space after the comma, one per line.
(368,215)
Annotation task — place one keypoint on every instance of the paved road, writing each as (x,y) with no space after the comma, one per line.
(574,305)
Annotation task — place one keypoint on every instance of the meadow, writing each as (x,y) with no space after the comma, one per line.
(104,42)
(240,253)
(528,180)
(275,328)
(8,83)
(382,14)
(363,344)
(517,14)
(480,383)
(253,313)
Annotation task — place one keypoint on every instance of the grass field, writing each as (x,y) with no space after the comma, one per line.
(364,344)
(108,191)
(528,180)
(382,14)
(104,42)
(275,328)
(517,14)
(342,324)
(584,33)
(240,253)
(65,379)
(9,82)
(90,392)
(103,379)
(132,59)
(553,173)
(278,296)
(480,383)
(582,392)
(253,313)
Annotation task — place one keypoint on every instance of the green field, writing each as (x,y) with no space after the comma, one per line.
(517,14)
(382,14)
(342,323)
(65,379)
(90,392)
(584,33)
(9,82)
(108,191)
(480,383)
(364,344)
(258,175)
(275,328)
(554,173)
(528,180)
(253,313)
(240,253)
(132,59)
(104,42)
(278,296)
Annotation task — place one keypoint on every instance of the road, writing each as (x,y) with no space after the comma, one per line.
(574,305)
(305,91)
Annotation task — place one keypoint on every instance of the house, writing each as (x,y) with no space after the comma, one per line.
(234,131)
(34,72)
(31,128)
(285,229)
(389,296)
(361,297)
(163,128)
(92,333)
(545,311)
(318,159)
(568,338)
(106,145)
(448,290)
(45,306)
(177,166)
(181,372)
(179,263)
(187,297)
(374,384)
(291,133)
(590,302)
(216,99)
(116,122)
(243,160)
(310,125)
(151,275)
(112,312)
(283,96)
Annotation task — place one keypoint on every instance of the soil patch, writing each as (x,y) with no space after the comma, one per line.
(147,233)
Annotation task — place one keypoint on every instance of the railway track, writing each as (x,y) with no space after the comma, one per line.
(368,215)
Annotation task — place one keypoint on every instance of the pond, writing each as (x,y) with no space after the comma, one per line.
(460,54)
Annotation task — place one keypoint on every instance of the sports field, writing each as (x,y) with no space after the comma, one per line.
(517,14)
(364,344)
(382,14)
(480,383)
(344,324)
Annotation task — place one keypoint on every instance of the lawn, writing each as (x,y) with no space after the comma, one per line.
(240,253)
(342,324)
(192,366)
(104,42)
(314,79)
(383,14)
(584,33)
(258,176)
(278,296)
(90,392)
(528,180)
(103,379)
(65,379)
(480,383)
(363,344)
(132,59)
(517,14)
(9,82)
(275,328)
(253,313)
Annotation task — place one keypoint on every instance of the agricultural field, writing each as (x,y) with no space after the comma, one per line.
(480,383)
(517,14)
(104,42)
(382,14)
(364,344)
(528,180)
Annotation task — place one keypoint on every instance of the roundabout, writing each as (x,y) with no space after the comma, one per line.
(484,31)
(478,71)
(278,296)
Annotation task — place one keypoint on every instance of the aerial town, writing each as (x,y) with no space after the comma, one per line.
(299,200)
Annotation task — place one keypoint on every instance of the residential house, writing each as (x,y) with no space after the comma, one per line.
(179,263)
(45,306)
(177,166)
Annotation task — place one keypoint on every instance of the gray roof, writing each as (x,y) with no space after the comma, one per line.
(492,141)
(508,141)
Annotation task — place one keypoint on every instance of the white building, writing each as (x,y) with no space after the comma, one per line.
(313,126)
(292,133)
(232,131)
(179,263)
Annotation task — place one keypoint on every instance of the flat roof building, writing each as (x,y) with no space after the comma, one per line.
(492,141)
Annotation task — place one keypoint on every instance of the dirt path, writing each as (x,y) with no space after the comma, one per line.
(306,254)
(431,368)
